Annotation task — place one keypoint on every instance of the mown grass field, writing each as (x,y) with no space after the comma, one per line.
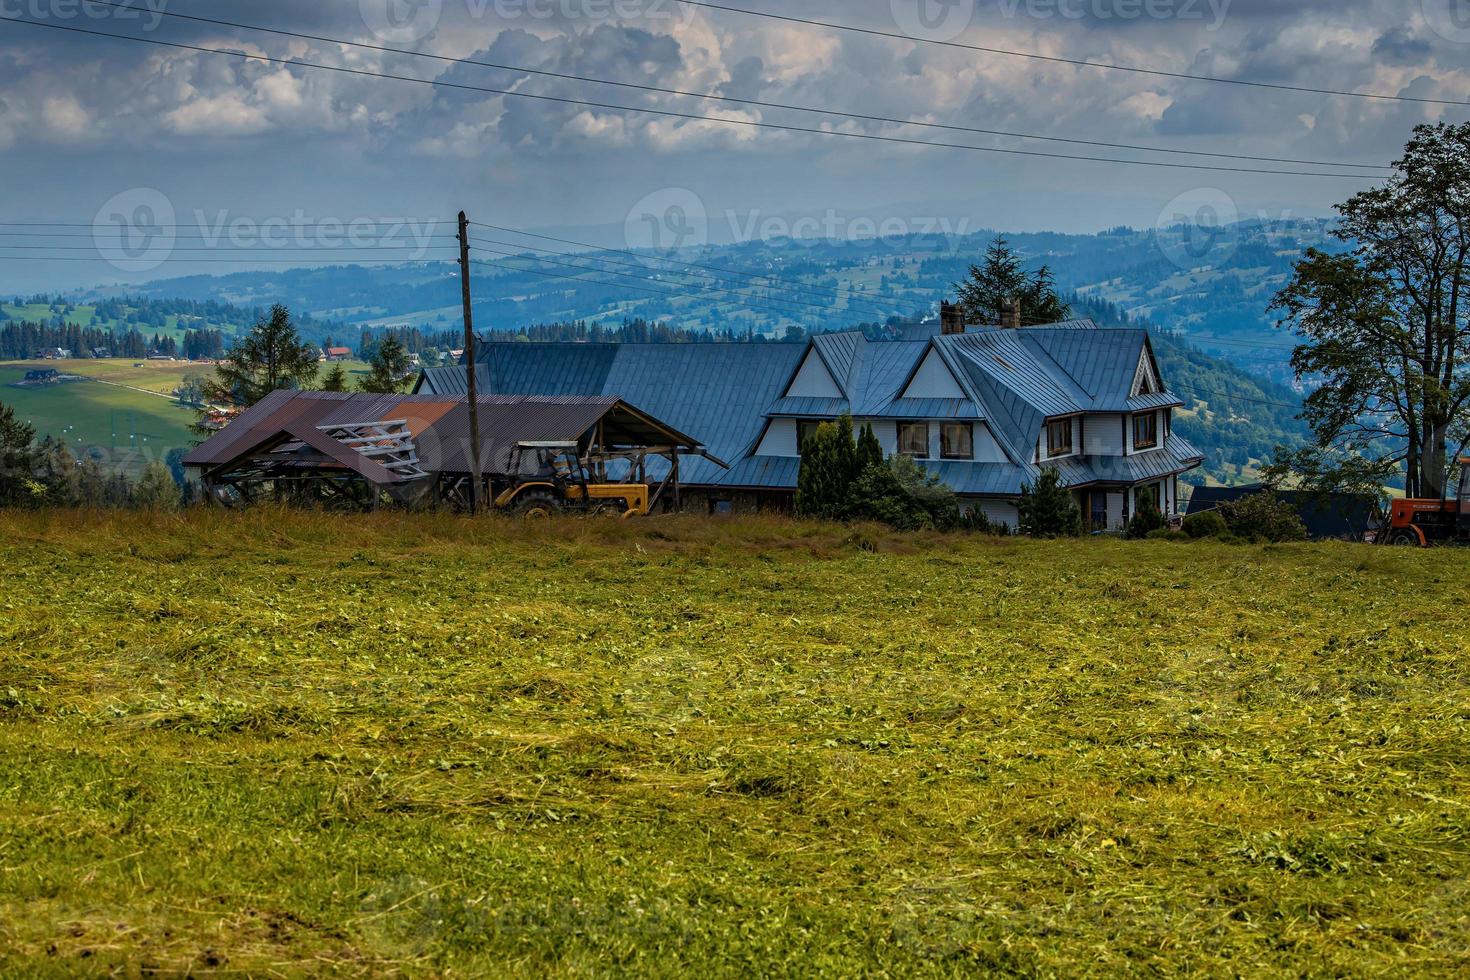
(128,427)
(281,744)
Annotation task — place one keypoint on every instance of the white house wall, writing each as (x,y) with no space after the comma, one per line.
(1102,435)
(779,440)
(813,380)
(933,380)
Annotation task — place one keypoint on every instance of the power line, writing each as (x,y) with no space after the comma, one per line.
(739,101)
(873,310)
(747,123)
(693,265)
(775,305)
(1081,63)
(1233,397)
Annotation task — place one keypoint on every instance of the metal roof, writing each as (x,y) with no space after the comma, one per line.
(727,393)
(440,427)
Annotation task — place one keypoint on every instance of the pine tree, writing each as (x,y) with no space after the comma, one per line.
(271,357)
(19,459)
(829,461)
(1047,510)
(156,489)
(389,368)
(1000,279)
(336,379)
(869,450)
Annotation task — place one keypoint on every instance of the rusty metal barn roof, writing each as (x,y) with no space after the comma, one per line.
(439,425)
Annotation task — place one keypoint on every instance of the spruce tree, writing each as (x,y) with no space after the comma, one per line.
(1047,510)
(269,358)
(389,370)
(1001,278)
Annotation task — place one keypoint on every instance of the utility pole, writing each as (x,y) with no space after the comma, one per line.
(469,362)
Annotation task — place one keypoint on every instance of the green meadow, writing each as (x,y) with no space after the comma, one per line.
(128,426)
(289,744)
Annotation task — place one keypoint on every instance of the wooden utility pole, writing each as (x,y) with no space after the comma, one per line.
(469,362)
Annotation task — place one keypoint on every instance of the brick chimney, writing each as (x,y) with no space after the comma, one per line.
(1010,313)
(951,320)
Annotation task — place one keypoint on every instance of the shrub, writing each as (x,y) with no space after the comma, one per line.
(1263,517)
(976,521)
(828,471)
(1148,518)
(1205,524)
(1047,509)
(902,494)
(1167,534)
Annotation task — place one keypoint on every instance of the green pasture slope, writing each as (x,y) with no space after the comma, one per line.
(284,745)
(128,426)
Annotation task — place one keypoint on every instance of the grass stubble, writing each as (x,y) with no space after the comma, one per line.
(276,743)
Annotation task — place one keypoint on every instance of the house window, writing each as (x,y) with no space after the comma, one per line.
(1098,510)
(805,429)
(1059,437)
(957,440)
(913,439)
(1145,431)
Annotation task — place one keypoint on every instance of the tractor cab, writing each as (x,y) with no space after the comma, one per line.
(1429,522)
(551,477)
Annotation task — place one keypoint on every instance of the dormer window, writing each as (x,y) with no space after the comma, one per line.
(1146,430)
(1059,437)
(913,439)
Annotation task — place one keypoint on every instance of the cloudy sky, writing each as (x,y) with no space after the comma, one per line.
(91,124)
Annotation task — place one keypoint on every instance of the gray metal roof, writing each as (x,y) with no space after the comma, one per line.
(726,393)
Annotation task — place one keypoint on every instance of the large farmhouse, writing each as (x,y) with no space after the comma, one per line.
(985,408)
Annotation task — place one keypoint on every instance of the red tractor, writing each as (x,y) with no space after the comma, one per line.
(1429,522)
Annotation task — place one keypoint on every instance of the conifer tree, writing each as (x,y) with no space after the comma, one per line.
(1047,510)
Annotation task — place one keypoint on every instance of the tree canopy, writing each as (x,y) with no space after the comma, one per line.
(272,356)
(1385,327)
(389,368)
(999,279)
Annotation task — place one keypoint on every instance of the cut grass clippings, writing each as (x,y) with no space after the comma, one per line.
(277,743)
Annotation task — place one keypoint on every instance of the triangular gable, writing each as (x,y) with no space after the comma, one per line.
(1146,379)
(813,380)
(933,379)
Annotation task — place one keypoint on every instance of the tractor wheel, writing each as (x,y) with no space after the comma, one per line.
(537,505)
(1403,538)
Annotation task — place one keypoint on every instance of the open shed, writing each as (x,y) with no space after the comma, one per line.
(353,448)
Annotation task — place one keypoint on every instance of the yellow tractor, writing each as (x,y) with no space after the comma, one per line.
(554,477)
